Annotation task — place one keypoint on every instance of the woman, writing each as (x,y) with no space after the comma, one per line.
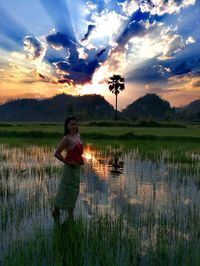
(69,185)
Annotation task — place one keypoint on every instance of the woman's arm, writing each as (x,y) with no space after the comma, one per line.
(60,148)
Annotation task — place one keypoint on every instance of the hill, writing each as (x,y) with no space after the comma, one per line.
(193,106)
(149,106)
(94,107)
(191,112)
(56,109)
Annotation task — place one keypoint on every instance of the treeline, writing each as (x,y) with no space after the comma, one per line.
(56,109)
(95,108)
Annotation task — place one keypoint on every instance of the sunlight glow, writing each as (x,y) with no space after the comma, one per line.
(73,47)
(108,26)
(93,88)
(88,154)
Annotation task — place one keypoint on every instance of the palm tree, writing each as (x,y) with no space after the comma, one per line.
(116,84)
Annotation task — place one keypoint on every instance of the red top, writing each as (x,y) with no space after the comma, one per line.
(75,153)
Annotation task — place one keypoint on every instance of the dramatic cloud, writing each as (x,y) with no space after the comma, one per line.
(80,73)
(76,69)
(89,7)
(161,7)
(84,58)
(80,44)
(148,40)
(141,42)
(58,41)
(181,69)
(173,44)
(129,7)
(90,29)
(116,62)
(134,29)
(108,26)
(149,73)
(81,53)
(34,48)
(180,79)
(157,40)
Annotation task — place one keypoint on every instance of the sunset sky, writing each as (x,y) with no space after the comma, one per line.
(52,46)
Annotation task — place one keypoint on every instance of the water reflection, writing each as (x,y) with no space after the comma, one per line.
(116,166)
(118,180)
(113,180)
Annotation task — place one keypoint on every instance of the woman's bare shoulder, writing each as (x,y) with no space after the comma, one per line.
(66,139)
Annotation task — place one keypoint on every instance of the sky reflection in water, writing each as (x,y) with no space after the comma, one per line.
(113,180)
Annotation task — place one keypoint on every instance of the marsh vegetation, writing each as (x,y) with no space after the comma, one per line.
(145,213)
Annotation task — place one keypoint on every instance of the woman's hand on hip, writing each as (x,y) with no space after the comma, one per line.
(72,163)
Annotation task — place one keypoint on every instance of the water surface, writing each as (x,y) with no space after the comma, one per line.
(116,181)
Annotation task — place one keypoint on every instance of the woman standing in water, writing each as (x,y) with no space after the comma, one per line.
(69,185)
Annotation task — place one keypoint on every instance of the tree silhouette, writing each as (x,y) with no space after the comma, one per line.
(116,84)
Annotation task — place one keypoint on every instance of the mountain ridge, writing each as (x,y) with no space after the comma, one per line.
(94,107)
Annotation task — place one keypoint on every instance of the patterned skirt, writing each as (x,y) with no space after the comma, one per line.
(68,189)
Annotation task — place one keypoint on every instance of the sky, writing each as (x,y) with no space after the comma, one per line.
(48,47)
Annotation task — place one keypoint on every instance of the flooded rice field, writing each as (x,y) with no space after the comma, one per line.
(144,210)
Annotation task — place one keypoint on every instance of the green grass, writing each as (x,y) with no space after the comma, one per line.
(150,142)
(149,240)
(191,133)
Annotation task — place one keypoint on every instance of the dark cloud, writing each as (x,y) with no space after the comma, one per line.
(34,48)
(77,70)
(181,69)
(41,76)
(133,29)
(151,72)
(155,70)
(80,70)
(64,66)
(89,31)
(102,52)
(140,16)
(185,63)
(60,40)
(64,81)
(78,73)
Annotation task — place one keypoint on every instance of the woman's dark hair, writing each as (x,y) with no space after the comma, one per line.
(67,120)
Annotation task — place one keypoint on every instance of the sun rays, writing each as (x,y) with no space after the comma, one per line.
(74,46)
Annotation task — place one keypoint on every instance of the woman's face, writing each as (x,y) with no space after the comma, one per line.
(72,126)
